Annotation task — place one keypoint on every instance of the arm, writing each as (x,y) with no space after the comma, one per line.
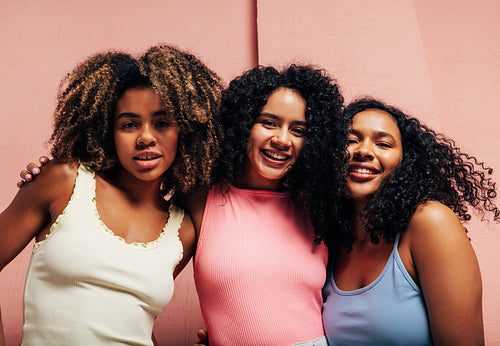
(449,275)
(188,238)
(32,211)
(194,203)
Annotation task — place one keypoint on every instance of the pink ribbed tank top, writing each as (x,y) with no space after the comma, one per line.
(257,272)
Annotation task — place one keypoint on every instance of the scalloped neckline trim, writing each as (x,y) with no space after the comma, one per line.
(103,227)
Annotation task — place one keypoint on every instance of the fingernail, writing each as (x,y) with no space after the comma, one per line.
(36,170)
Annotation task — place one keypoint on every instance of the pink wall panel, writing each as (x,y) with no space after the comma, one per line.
(462,49)
(42,40)
(436,61)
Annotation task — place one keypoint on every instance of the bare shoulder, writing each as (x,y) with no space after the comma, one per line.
(56,180)
(54,173)
(448,271)
(434,220)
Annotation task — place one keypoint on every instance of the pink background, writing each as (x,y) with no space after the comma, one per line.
(438,60)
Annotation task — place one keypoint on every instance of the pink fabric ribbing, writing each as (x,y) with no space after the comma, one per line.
(258,274)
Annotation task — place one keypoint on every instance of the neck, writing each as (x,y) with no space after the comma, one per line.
(247,181)
(136,190)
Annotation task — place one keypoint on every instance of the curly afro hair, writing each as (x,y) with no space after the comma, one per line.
(242,102)
(83,126)
(432,168)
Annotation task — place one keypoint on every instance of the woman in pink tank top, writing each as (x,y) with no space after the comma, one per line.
(259,268)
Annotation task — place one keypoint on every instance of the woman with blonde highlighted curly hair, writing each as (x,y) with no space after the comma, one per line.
(107,244)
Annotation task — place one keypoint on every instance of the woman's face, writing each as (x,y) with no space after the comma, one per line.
(375,151)
(275,140)
(145,135)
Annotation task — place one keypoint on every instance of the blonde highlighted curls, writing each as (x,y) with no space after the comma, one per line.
(192,92)
(84,116)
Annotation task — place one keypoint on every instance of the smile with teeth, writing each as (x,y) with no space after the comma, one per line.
(362,170)
(275,155)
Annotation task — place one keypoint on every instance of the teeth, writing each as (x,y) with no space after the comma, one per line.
(147,157)
(362,170)
(276,155)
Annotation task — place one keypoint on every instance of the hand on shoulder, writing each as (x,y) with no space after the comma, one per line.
(32,170)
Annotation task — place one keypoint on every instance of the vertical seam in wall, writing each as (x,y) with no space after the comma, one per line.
(255,43)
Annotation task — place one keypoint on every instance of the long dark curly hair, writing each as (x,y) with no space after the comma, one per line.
(83,125)
(432,168)
(242,102)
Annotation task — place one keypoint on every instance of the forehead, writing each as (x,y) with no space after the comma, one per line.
(139,98)
(375,120)
(286,102)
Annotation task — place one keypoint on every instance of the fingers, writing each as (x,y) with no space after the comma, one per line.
(33,168)
(43,160)
(25,175)
(202,338)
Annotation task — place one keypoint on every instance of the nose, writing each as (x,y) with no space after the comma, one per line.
(282,138)
(146,137)
(364,151)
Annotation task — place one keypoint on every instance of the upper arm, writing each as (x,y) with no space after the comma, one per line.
(449,275)
(194,203)
(31,210)
(187,236)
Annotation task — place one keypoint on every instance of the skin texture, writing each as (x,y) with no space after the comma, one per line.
(145,135)
(434,248)
(127,190)
(375,150)
(275,140)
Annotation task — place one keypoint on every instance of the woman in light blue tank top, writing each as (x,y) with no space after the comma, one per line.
(403,271)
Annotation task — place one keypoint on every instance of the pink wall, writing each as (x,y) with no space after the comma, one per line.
(438,62)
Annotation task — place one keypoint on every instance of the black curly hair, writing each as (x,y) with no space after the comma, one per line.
(432,168)
(83,126)
(242,102)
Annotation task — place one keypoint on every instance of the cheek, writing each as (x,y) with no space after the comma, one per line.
(299,144)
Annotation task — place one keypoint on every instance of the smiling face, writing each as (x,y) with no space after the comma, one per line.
(375,151)
(145,135)
(275,140)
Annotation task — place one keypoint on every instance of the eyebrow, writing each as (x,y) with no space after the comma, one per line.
(378,134)
(135,115)
(275,117)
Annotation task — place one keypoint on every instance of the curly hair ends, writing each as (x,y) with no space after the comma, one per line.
(432,168)
(192,92)
(83,119)
(242,102)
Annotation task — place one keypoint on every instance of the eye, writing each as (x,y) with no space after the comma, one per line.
(352,140)
(268,123)
(163,124)
(128,125)
(299,131)
(384,145)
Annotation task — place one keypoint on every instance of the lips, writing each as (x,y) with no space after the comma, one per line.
(275,155)
(147,160)
(362,173)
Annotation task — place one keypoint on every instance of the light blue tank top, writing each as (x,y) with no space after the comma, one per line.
(389,311)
